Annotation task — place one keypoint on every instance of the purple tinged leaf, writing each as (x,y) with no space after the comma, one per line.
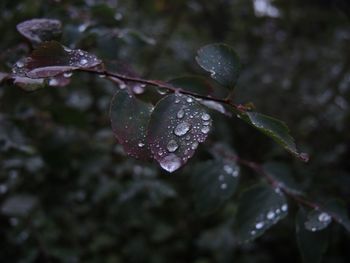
(50,59)
(178,124)
(40,30)
(129,119)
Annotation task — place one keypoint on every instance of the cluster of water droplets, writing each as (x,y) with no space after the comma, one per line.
(81,59)
(188,125)
(317,221)
(229,171)
(269,218)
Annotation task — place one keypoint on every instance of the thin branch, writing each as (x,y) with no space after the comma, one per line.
(163,85)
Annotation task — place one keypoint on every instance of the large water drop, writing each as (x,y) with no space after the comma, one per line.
(182,128)
(172,146)
(170,163)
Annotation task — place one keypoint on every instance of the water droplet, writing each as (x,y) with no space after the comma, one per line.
(228,169)
(205,129)
(324,217)
(140,144)
(313,229)
(20,64)
(223,186)
(170,163)
(212,73)
(67,74)
(259,225)
(53,82)
(205,117)
(83,61)
(221,177)
(180,114)
(82,27)
(139,89)
(270,215)
(194,145)
(253,232)
(278,211)
(284,207)
(189,100)
(172,146)
(182,128)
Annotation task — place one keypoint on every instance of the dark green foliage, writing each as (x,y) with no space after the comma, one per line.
(69,192)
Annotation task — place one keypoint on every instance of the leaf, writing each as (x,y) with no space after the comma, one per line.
(129,119)
(221,61)
(317,220)
(178,124)
(40,30)
(275,129)
(312,245)
(280,172)
(259,208)
(337,209)
(50,59)
(214,182)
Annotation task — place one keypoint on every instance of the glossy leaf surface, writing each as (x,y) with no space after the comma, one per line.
(178,124)
(50,59)
(312,245)
(129,119)
(275,129)
(281,173)
(259,208)
(214,182)
(221,61)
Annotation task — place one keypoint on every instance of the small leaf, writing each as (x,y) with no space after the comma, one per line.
(40,30)
(275,129)
(221,61)
(178,124)
(259,208)
(317,220)
(50,59)
(281,174)
(214,182)
(129,119)
(312,245)
(337,209)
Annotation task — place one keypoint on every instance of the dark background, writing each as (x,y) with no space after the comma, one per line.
(68,193)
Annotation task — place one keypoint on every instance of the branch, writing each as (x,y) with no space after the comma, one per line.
(163,85)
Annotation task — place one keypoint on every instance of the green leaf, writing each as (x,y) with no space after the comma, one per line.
(221,61)
(337,209)
(259,208)
(281,173)
(129,119)
(317,220)
(178,124)
(213,183)
(275,129)
(312,245)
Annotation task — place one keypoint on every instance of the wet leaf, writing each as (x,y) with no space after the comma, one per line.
(40,30)
(213,183)
(129,119)
(259,208)
(312,245)
(337,209)
(178,124)
(275,129)
(317,220)
(50,59)
(281,173)
(221,61)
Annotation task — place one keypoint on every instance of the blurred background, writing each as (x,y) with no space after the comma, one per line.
(68,193)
